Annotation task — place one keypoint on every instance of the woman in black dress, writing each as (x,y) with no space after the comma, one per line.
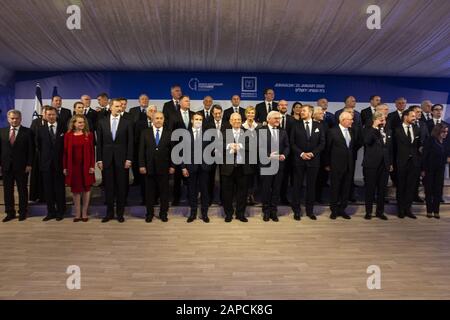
(435,157)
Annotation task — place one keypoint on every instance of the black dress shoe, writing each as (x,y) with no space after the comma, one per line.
(121,219)
(382,216)
(368,216)
(312,216)
(437,216)
(297,217)
(164,219)
(148,219)
(243,219)
(429,215)
(333,216)
(284,202)
(59,218)
(22,217)
(401,215)
(205,218)
(352,200)
(106,219)
(345,216)
(77,220)
(228,219)
(175,203)
(191,218)
(266,218)
(8,218)
(48,218)
(274,218)
(251,200)
(410,215)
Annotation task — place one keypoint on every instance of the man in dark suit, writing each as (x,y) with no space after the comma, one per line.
(341,141)
(103,106)
(196,169)
(367,113)
(180,120)
(307,142)
(16,158)
(64,115)
(172,106)
(263,108)
(328,117)
(286,122)
(89,113)
(235,169)
(219,126)
(36,182)
(114,154)
(155,147)
(140,112)
(235,108)
(377,163)
(394,121)
(323,175)
(408,158)
(426,110)
(424,134)
(273,149)
(207,110)
(50,145)
(350,103)
(140,126)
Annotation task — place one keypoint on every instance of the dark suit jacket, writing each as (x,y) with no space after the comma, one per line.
(20,155)
(227,168)
(338,155)
(265,142)
(191,165)
(51,152)
(137,115)
(329,119)
(92,117)
(119,150)
(435,155)
(228,112)
(300,143)
(169,109)
(406,150)
(289,122)
(176,121)
(356,117)
(261,111)
(140,126)
(366,117)
(376,152)
(394,120)
(205,121)
(64,116)
(155,158)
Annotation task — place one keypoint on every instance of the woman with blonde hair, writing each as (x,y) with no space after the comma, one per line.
(253,126)
(79,164)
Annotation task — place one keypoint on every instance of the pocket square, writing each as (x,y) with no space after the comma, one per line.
(317,130)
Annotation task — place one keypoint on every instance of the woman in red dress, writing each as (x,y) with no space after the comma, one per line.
(79,164)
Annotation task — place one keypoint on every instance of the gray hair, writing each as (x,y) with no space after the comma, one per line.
(272,114)
(378,115)
(14,111)
(344,114)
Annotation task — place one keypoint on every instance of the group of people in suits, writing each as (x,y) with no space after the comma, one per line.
(307,148)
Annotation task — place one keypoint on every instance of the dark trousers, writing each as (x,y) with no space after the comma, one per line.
(20,178)
(177,180)
(322,179)
(157,184)
(211,182)
(198,181)
(285,177)
(310,195)
(375,180)
(271,186)
(235,185)
(434,183)
(116,182)
(341,180)
(55,192)
(406,183)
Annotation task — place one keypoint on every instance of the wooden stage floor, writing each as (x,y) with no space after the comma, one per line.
(321,259)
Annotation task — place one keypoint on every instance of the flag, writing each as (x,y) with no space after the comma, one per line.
(37,102)
(55,92)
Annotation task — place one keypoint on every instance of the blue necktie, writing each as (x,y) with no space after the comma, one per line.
(157,137)
(114,129)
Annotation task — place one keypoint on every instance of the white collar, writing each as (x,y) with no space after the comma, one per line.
(55,125)
(342,128)
(15,128)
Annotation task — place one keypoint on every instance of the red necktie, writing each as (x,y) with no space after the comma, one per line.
(12,136)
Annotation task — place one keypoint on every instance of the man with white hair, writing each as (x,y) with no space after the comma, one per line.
(140,112)
(426,110)
(340,162)
(89,113)
(274,141)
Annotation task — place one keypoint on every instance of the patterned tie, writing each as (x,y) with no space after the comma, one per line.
(347,137)
(185,119)
(12,136)
(114,128)
(157,138)
(308,133)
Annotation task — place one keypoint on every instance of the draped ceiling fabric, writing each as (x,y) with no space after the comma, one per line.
(309,36)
